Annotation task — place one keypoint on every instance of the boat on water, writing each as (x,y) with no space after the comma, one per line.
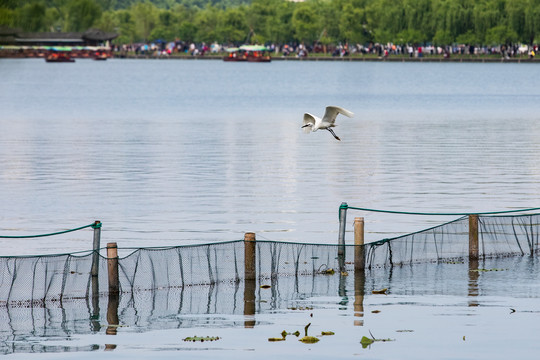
(250,53)
(256,53)
(100,55)
(59,57)
(235,54)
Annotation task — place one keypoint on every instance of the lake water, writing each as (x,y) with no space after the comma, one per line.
(170,152)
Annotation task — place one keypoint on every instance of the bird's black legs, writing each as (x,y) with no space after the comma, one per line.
(333,133)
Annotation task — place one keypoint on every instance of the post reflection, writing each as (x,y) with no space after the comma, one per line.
(474,274)
(249,303)
(359,289)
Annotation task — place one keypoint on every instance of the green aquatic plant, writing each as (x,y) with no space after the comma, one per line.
(276,339)
(365,341)
(284,336)
(308,339)
(202,338)
(327,333)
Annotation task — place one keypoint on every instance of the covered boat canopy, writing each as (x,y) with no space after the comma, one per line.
(253,48)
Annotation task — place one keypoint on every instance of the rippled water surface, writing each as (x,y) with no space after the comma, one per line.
(188,152)
(442,311)
(166,152)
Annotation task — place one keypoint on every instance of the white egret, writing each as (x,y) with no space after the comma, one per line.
(313,123)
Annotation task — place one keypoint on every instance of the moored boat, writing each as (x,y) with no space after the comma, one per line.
(59,57)
(100,55)
(235,54)
(256,53)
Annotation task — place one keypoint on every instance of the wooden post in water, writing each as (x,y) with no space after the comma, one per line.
(97,239)
(112,266)
(94,272)
(341,238)
(250,276)
(114,287)
(359,257)
(250,272)
(473,237)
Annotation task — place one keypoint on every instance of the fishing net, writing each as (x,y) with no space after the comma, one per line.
(497,236)
(37,280)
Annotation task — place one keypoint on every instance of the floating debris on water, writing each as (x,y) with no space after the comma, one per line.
(301,308)
(201,338)
(486,270)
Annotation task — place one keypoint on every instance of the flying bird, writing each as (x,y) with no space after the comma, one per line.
(313,123)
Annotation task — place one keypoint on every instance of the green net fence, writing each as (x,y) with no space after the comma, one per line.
(37,280)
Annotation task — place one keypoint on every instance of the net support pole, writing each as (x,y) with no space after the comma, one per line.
(114,293)
(95,255)
(341,237)
(473,237)
(112,267)
(250,275)
(249,256)
(359,257)
(94,271)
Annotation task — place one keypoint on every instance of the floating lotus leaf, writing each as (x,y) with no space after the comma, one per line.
(366,341)
(309,340)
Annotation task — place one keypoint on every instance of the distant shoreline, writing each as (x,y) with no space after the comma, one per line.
(347,58)
(394,58)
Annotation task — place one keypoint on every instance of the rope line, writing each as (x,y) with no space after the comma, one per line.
(94,225)
(345,206)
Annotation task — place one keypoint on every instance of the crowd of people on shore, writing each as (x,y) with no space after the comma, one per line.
(160,48)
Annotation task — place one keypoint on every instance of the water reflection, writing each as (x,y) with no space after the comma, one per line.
(474,275)
(239,304)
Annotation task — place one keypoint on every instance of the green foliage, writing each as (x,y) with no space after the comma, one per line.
(30,17)
(441,22)
(305,23)
(81,15)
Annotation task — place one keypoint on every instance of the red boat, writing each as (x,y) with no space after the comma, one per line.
(100,55)
(59,57)
(256,53)
(235,54)
(251,53)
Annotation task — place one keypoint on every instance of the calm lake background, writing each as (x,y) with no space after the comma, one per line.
(168,152)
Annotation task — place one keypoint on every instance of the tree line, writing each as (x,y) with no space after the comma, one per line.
(439,22)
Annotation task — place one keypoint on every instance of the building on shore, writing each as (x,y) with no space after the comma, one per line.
(17,43)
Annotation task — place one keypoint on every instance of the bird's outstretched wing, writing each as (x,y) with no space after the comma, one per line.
(332,112)
(308,119)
